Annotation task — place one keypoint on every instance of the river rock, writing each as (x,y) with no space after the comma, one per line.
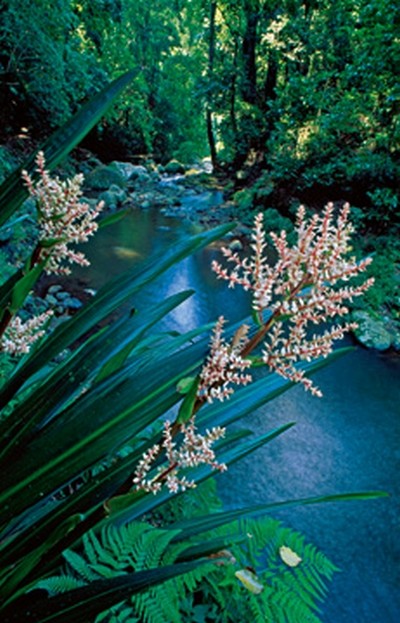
(124,168)
(174,167)
(113,197)
(51,300)
(371,332)
(236,245)
(53,289)
(132,172)
(102,177)
(72,303)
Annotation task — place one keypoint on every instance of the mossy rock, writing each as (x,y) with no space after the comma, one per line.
(113,197)
(174,167)
(372,333)
(102,177)
(131,172)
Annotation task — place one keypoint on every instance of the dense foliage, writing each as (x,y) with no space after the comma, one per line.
(301,95)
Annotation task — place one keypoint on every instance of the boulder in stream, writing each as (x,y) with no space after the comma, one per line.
(174,167)
(113,197)
(374,333)
(102,177)
(132,172)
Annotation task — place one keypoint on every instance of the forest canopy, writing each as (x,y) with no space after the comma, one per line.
(297,96)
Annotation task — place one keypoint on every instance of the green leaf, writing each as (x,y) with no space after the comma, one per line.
(23,538)
(24,286)
(113,218)
(58,146)
(198,525)
(106,351)
(7,288)
(109,298)
(102,418)
(33,559)
(186,408)
(83,604)
(185,385)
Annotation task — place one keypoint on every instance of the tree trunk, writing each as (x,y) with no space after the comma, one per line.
(249,51)
(209,115)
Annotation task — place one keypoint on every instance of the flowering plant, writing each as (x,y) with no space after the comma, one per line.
(305,287)
(63,219)
(85,443)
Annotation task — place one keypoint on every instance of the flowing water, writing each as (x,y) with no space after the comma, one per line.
(346,441)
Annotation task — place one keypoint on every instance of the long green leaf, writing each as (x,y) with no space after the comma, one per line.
(101,419)
(7,288)
(15,575)
(23,538)
(23,286)
(58,146)
(193,527)
(83,604)
(109,298)
(66,380)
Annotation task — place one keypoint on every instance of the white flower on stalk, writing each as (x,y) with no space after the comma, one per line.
(191,450)
(305,287)
(20,336)
(224,366)
(63,219)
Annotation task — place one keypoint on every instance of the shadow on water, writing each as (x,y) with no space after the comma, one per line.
(347,441)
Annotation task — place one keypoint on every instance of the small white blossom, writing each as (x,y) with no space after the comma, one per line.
(19,336)
(63,219)
(224,366)
(191,450)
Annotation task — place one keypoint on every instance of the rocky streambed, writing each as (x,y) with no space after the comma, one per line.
(189,194)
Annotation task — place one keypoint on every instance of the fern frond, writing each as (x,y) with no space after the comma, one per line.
(80,566)
(291,593)
(60,584)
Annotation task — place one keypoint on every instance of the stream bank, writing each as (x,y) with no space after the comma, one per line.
(193,195)
(190,194)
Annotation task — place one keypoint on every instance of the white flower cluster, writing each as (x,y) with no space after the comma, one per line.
(192,450)
(224,365)
(63,219)
(305,287)
(19,336)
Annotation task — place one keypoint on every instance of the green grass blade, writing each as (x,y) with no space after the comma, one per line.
(194,527)
(52,394)
(103,418)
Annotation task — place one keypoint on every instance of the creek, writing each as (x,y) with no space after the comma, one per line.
(347,441)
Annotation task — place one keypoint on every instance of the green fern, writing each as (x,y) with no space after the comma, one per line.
(289,594)
(211,593)
(116,551)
